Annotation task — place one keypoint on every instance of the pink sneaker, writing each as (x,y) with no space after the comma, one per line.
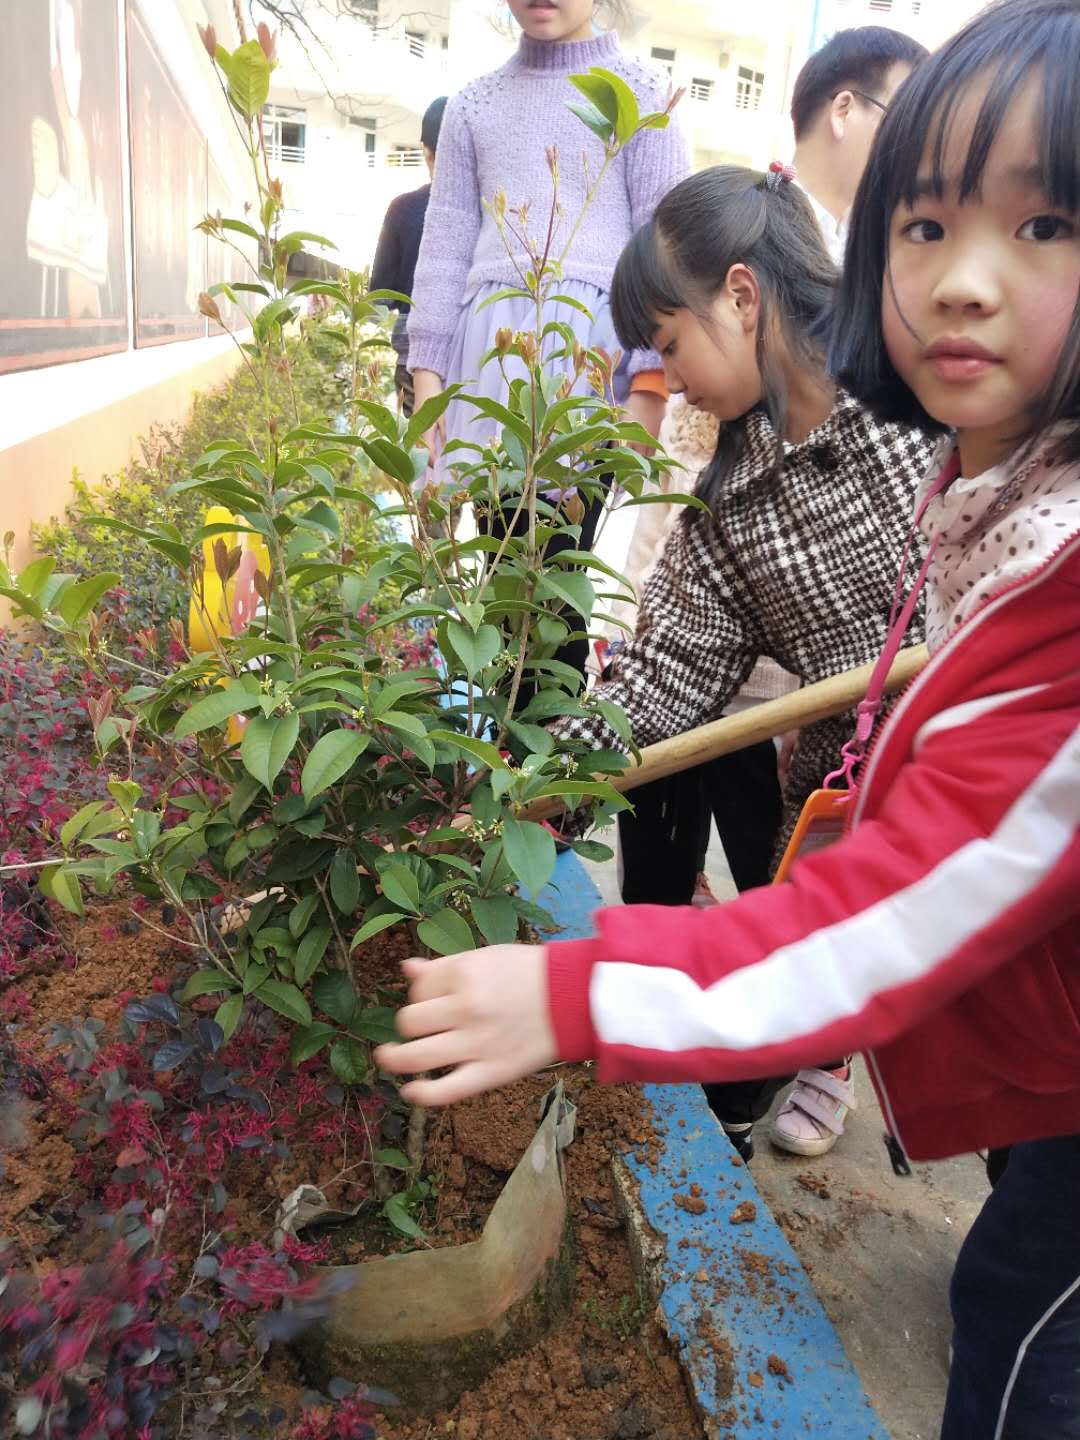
(811,1119)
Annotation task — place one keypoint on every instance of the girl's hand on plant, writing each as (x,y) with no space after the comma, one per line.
(484,1013)
(426,385)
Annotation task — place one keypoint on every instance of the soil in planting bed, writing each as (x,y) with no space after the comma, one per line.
(606,1373)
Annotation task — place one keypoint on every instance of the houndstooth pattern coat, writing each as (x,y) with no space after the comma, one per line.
(801,568)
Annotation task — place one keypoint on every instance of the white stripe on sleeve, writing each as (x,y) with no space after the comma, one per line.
(834,973)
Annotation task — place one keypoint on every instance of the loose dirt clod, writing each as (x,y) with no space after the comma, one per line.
(692,1204)
(744,1213)
(779,1367)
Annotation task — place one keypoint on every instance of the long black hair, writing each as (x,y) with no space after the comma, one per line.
(713,220)
(1000,49)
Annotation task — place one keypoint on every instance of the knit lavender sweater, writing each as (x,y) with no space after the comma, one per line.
(494,133)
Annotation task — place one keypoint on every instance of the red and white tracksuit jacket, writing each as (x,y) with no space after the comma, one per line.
(942,934)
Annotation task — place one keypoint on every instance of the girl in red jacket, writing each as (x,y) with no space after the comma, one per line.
(942,934)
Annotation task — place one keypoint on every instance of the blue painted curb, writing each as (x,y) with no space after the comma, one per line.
(760,1354)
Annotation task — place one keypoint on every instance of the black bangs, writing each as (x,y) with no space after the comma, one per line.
(1039,36)
(1000,49)
(645,285)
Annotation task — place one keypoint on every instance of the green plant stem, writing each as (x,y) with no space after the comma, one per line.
(339,939)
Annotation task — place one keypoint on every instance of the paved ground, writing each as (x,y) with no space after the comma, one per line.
(879,1249)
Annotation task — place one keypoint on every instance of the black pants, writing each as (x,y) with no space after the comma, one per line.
(1016,1304)
(663,844)
(573,652)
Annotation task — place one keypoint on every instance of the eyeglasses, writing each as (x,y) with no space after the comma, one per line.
(870,100)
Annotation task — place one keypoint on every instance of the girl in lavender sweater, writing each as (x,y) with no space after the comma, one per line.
(494,134)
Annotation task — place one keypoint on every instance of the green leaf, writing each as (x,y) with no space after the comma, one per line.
(592,850)
(396,1210)
(241,228)
(309,1041)
(404,723)
(301,914)
(423,419)
(32,579)
(580,789)
(600,94)
(245,790)
(392,458)
(575,588)
(228,1014)
(481,750)
(376,1024)
(254,977)
(345,882)
(79,599)
(286,1000)
(393,1159)
(397,690)
(568,300)
(267,744)
(497,919)
(249,78)
(626,112)
(207,982)
(599,124)
(297,237)
(617,718)
(331,757)
(474,651)
(494,411)
(447,933)
(375,925)
(472,612)
(59,883)
(333,993)
(309,953)
(74,827)
(348,1060)
(215,709)
(400,887)
(668,497)
(24,605)
(530,852)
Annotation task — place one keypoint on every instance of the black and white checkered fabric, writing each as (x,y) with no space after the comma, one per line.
(800,568)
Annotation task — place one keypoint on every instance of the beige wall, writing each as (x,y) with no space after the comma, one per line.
(35,474)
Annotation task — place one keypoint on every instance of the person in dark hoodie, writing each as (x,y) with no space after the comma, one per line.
(399,245)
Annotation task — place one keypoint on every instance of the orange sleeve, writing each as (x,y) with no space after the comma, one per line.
(651,381)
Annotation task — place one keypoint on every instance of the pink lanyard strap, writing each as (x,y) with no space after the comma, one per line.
(866,712)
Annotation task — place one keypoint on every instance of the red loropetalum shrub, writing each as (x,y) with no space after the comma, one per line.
(174,1132)
(47,764)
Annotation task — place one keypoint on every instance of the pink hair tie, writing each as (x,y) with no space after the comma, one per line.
(778,174)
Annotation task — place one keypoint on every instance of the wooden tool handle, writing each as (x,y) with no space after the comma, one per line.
(733,732)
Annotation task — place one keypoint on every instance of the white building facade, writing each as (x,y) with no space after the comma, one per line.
(344,127)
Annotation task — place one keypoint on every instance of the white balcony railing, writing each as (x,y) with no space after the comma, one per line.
(395,160)
(289,154)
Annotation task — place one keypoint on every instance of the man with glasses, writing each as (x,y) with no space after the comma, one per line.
(839,98)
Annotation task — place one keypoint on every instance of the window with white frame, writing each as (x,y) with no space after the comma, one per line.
(285,133)
(748,87)
(664,58)
(367,125)
(701,89)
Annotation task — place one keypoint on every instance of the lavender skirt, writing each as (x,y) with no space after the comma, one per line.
(475,336)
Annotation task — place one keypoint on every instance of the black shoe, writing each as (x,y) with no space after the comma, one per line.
(742,1140)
